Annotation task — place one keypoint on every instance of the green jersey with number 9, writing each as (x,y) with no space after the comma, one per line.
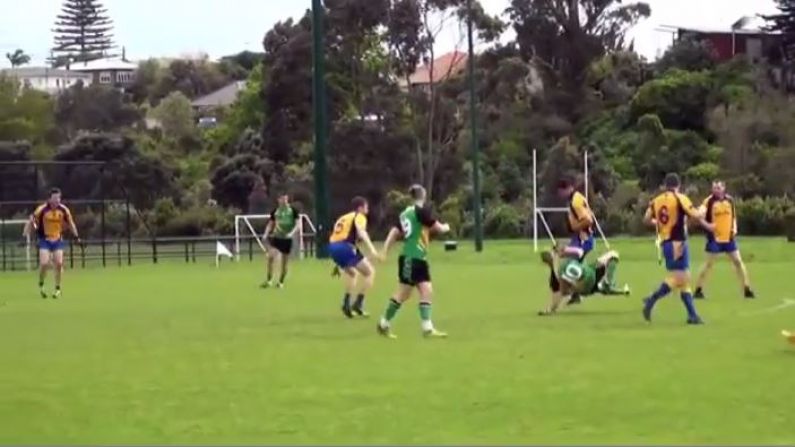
(415,224)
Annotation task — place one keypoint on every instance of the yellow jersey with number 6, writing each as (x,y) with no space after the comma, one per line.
(671,209)
(345,227)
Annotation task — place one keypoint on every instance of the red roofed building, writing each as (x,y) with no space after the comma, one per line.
(746,37)
(445,67)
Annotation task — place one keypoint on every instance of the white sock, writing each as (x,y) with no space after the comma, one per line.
(427,325)
(383,323)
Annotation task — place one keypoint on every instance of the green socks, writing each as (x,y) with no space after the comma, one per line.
(391,310)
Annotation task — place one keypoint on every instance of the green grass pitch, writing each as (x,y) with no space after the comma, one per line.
(185,354)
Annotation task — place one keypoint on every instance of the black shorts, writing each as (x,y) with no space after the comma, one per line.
(412,272)
(285,246)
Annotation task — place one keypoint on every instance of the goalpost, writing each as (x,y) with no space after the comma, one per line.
(244,228)
(26,238)
(538,211)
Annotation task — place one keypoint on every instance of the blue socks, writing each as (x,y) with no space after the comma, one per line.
(687,300)
(664,289)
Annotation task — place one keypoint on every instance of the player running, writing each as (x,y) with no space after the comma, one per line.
(278,238)
(349,229)
(570,275)
(415,226)
(48,220)
(719,210)
(668,212)
(579,221)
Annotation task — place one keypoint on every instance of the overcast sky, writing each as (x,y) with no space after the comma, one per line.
(155,28)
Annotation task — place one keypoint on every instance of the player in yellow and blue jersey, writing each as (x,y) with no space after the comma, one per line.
(349,230)
(579,221)
(719,210)
(49,221)
(668,212)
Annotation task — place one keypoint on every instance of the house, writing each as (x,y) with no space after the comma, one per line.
(746,37)
(445,67)
(117,73)
(49,80)
(223,97)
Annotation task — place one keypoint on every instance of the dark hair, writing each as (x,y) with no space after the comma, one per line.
(565,182)
(358,202)
(417,192)
(54,191)
(672,181)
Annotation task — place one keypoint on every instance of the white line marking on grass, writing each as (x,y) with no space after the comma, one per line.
(785,303)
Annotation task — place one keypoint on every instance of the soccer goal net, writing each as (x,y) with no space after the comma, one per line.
(252,226)
(16,246)
(540,212)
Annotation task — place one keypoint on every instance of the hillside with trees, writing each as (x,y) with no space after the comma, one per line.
(570,82)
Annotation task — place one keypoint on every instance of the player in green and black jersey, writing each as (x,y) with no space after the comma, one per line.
(279,234)
(571,275)
(415,226)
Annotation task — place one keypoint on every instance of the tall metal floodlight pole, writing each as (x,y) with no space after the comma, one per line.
(476,205)
(319,100)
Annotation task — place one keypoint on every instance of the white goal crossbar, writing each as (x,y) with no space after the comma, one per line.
(538,211)
(245,229)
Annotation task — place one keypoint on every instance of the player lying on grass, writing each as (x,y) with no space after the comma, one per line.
(349,230)
(570,275)
(415,226)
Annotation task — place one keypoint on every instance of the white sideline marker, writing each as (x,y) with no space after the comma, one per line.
(221,250)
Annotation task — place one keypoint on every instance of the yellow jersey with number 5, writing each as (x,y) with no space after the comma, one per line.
(671,210)
(345,227)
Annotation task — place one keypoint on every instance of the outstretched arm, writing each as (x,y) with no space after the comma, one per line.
(394,235)
(363,236)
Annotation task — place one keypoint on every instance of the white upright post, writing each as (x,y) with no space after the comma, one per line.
(587,189)
(300,237)
(237,238)
(535,203)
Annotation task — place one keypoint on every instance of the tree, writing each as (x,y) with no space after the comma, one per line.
(145,178)
(18,58)
(96,108)
(688,54)
(566,37)
(83,31)
(413,27)
(25,114)
(784,23)
(175,116)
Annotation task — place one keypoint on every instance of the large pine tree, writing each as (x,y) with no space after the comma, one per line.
(784,23)
(82,32)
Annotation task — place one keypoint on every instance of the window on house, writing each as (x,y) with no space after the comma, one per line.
(123,77)
(105,77)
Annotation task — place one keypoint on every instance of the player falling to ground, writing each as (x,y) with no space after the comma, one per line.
(349,230)
(49,220)
(415,225)
(278,238)
(719,210)
(570,275)
(668,212)
(579,221)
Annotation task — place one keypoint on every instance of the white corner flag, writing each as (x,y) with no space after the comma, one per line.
(221,250)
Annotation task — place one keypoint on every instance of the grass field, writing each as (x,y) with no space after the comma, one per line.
(185,354)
